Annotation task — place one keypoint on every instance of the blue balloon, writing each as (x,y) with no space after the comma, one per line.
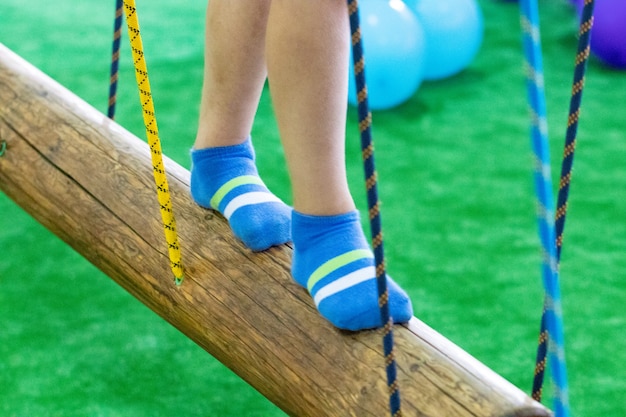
(393,46)
(454,33)
(608,36)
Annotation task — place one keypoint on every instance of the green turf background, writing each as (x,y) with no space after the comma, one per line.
(455,170)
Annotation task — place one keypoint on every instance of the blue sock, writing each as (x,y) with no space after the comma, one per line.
(226,179)
(334,262)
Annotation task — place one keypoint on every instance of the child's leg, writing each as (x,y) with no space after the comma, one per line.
(307,56)
(234,71)
(224,174)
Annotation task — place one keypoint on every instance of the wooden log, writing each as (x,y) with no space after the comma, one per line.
(90,182)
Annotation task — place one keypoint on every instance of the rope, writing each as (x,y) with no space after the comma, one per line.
(371,180)
(152,132)
(115,57)
(529,16)
(582,56)
(552,313)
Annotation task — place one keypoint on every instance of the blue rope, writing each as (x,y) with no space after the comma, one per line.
(367,149)
(582,57)
(115,56)
(552,333)
(552,319)
(529,16)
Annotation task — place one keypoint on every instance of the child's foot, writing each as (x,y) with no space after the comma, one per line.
(226,179)
(333,260)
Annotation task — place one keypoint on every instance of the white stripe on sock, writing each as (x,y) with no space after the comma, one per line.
(345,282)
(247,199)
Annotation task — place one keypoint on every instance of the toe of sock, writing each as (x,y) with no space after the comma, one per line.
(359,310)
(261,229)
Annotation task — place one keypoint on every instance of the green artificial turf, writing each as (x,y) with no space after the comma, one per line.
(458,212)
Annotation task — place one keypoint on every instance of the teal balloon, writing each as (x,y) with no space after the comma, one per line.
(454,33)
(393,46)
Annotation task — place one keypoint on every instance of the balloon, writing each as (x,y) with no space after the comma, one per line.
(608,36)
(454,33)
(393,46)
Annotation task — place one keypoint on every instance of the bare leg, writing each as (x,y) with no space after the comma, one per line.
(223,174)
(234,71)
(307,55)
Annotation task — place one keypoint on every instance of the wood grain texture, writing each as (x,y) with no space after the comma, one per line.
(90,182)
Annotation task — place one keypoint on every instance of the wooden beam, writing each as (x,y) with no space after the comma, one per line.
(89,181)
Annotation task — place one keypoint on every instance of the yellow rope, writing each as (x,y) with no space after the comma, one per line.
(152,132)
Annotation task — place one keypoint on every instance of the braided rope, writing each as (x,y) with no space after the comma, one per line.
(582,57)
(152,132)
(371,181)
(115,57)
(551,336)
(529,17)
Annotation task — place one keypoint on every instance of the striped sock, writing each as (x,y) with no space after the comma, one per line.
(226,179)
(334,262)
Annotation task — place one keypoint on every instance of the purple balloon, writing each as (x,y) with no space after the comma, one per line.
(608,36)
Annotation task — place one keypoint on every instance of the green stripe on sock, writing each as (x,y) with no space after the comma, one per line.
(228,186)
(336,263)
